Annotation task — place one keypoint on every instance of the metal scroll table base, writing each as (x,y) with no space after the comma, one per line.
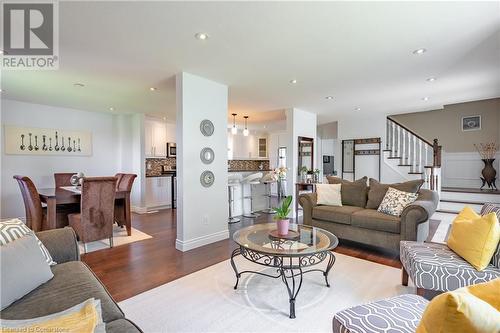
(289,268)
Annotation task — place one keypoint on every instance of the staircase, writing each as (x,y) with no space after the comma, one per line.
(412,156)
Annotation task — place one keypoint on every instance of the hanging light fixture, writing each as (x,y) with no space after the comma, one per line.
(245,131)
(234,130)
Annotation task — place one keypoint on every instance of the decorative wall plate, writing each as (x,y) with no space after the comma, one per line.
(206,127)
(207,178)
(207,155)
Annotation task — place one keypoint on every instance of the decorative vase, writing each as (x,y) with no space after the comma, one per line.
(283,226)
(489,174)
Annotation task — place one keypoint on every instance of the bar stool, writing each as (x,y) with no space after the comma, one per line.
(233,181)
(268,180)
(253,179)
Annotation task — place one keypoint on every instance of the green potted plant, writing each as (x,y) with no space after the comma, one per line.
(281,217)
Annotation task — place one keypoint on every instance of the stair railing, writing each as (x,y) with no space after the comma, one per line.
(423,157)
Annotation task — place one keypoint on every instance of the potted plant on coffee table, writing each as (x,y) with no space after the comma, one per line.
(281,217)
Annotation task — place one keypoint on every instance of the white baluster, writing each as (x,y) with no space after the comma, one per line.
(426,155)
(414,157)
(387,134)
(419,155)
(393,141)
(399,141)
(403,148)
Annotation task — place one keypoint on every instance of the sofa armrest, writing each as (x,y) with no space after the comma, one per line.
(308,201)
(417,213)
(61,244)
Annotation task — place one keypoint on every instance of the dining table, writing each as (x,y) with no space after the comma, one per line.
(53,197)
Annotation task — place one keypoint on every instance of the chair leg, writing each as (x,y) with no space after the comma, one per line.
(404,277)
(111,241)
(85,249)
(420,292)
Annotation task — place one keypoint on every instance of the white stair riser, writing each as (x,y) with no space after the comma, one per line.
(457,207)
(479,197)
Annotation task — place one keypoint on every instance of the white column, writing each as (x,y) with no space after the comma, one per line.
(202,212)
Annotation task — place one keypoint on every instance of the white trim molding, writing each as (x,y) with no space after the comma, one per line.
(200,241)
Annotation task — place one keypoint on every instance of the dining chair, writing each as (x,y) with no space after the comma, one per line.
(95,222)
(63,178)
(36,215)
(125,183)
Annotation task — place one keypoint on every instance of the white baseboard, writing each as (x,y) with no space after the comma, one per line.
(145,210)
(200,241)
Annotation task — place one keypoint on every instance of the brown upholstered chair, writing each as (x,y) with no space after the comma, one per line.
(95,222)
(126,180)
(36,216)
(63,178)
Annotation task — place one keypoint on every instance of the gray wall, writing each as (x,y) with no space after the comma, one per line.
(445,124)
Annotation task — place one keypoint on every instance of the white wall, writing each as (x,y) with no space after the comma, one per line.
(299,123)
(110,153)
(202,213)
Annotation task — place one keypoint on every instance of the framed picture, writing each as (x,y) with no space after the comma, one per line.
(471,123)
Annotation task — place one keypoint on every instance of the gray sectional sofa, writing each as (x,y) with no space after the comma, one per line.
(73,283)
(358,219)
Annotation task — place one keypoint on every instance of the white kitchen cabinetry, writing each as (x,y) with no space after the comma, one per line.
(155,139)
(158,192)
(170,132)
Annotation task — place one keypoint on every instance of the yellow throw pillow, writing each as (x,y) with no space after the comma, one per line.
(474,237)
(464,310)
(82,318)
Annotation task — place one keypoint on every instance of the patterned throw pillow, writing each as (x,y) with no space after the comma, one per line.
(13,229)
(493,208)
(395,201)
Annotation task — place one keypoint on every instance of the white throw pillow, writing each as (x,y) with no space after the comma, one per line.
(329,194)
(11,230)
(395,201)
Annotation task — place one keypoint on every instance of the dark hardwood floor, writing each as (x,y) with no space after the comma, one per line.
(131,269)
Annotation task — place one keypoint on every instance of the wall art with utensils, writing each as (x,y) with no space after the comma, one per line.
(47,141)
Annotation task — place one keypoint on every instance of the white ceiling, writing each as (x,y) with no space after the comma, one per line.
(358,52)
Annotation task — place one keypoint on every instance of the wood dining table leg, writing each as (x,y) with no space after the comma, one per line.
(128,215)
(51,214)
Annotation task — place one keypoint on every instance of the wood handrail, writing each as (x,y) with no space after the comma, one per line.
(410,131)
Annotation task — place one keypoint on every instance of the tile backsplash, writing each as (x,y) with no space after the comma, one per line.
(248,165)
(154,166)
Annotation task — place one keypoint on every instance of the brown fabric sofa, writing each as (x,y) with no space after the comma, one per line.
(366,225)
(73,283)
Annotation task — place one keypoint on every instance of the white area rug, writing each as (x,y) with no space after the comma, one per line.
(443,228)
(205,301)
(119,238)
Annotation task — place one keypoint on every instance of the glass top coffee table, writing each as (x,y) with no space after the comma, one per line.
(292,255)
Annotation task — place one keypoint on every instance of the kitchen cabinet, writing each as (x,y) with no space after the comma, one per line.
(155,139)
(158,192)
(247,147)
(171,132)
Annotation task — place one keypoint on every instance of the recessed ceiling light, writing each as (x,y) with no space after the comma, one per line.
(164,118)
(425,98)
(431,79)
(111,109)
(1,51)
(153,89)
(294,81)
(357,109)
(1,90)
(201,36)
(420,51)
(329,97)
(78,85)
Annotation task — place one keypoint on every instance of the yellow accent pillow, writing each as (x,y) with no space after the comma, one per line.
(474,237)
(464,310)
(83,320)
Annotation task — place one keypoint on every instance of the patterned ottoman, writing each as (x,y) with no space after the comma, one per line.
(400,314)
(434,266)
